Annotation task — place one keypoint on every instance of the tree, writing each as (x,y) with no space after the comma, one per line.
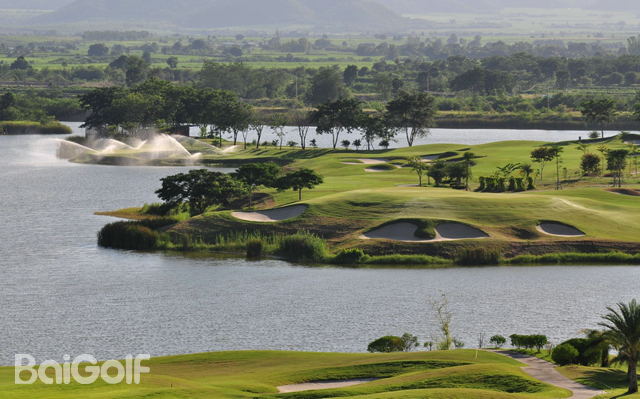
(468,162)
(437,171)
(256,124)
(326,85)
(497,341)
(590,164)
(350,74)
(636,112)
(137,70)
(419,166)
(542,155)
(277,122)
(20,64)
(357,143)
(345,144)
(299,179)
(172,62)
(622,329)
(600,111)
(616,162)
(254,175)
(555,151)
(412,113)
(334,117)
(200,188)
(441,308)
(386,344)
(374,126)
(240,114)
(302,120)
(457,171)
(526,169)
(97,50)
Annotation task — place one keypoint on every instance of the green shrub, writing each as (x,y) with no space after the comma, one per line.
(500,188)
(478,256)
(386,344)
(482,182)
(157,208)
(254,248)
(302,246)
(519,184)
(391,343)
(530,184)
(497,341)
(128,235)
(564,354)
(512,184)
(350,256)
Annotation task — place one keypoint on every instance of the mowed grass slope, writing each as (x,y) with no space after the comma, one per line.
(357,200)
(256,374)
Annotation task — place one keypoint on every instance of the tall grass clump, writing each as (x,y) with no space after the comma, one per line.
(254,248)
(398,259)
(576,257)
(478,256)
(302,246)
(128,235)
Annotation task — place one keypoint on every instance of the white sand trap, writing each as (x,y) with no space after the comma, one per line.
(429,158)
(376,161)
(404,231)
(458,231)
(271,215)
(372,170)
(311,386)
(559,229)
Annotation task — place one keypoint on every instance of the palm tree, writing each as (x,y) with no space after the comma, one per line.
(622,330)
(597,341)
(526,169)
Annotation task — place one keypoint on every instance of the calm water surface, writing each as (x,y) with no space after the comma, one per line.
(61,294)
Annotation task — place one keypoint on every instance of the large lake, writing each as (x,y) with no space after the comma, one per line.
(61,294)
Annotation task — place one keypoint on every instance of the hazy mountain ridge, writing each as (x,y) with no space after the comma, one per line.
(34,4)
(227,13)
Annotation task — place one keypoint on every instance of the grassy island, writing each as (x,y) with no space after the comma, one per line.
(370,209)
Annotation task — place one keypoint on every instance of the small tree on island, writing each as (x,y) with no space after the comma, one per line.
(616,162)
(497,341)
(254,175)
(299,179)
(542,155)
(599,110)
(419,166)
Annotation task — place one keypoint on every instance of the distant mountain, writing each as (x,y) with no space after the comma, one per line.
(478,6)
(353,14)
(33,4)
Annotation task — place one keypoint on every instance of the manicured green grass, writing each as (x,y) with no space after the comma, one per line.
(352,201)
(255,374)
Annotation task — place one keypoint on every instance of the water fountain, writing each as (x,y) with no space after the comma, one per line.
(158,146)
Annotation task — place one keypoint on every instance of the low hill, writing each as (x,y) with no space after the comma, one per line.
(33,4)
(353,14)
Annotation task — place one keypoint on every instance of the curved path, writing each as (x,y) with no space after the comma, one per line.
(546,372)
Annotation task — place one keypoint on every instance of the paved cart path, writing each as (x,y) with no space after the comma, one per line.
(546,372)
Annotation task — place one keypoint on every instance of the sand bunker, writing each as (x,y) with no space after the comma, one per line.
(404,231)
(271,215)
(625,191)
(310,386)
(373,161)
(559,229)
